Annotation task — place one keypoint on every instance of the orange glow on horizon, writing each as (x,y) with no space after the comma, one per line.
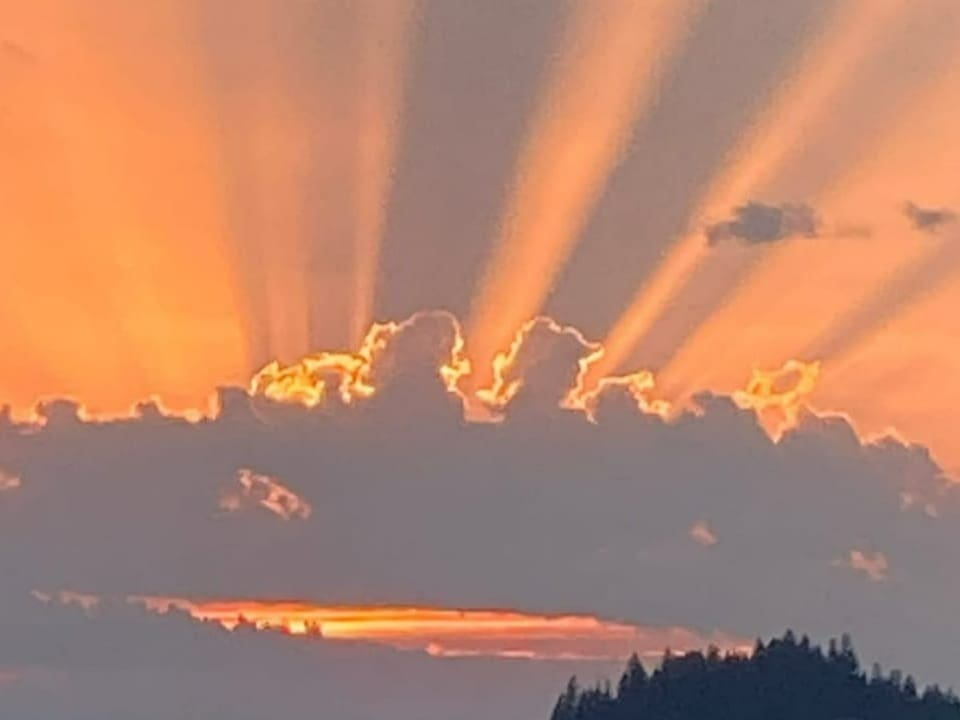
(603,82)
(445,632)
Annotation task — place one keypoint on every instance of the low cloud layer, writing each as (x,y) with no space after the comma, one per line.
(757,223)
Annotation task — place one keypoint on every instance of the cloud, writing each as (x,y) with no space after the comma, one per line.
(874,566)
(255,490)
(420,356)
(757,223)
(8,482)
(778,396)
(929,220)
(16,53)
(625,394)
(556,510)
(541,369)
(703,535)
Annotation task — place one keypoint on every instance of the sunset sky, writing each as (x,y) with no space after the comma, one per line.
(405,357)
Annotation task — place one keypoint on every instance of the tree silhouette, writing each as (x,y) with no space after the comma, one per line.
(785,679)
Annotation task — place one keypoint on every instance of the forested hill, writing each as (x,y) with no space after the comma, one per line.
(786,679)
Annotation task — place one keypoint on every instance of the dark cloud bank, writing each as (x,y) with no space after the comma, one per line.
(544,510)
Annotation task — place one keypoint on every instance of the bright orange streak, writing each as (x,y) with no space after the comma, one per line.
(824,71)
(452,632)
(604,80)
(383,56)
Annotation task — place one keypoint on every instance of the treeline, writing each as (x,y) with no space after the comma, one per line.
(786,679)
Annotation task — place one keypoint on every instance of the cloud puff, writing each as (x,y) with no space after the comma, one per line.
(8,482)
(929,220)
(422,356)
(778,396)
(873,565)
(758,223)
(703,535)
(541,368)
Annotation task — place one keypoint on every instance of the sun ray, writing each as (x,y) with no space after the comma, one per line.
(898,380)
(777,313)
(823,71)
(604,80)
(110,275)
(384,49)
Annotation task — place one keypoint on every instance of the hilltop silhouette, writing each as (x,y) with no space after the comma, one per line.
(786,679)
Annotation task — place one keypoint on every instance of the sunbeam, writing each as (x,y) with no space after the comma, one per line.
(826,69)
(384,48)
(604,79)
(761,324)
(106,271)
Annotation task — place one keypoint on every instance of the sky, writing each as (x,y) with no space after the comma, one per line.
(409,356)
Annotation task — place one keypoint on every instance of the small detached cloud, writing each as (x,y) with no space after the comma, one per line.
(15,52)
(702,534)
(254,490)
(929,220)
(757,223)
(873,565)
(8,481)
